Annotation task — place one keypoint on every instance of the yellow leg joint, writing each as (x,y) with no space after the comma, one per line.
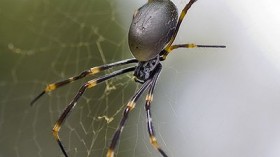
(50,87)
(95,70)
(110,153)
(153,141)
(56,128)
(191,46)
(131,104)
(149,97)
(92,83)
(168,50)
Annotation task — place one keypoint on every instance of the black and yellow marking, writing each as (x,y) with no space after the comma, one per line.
(183,46)
(154,142)
(96,70)
(55,131)
(92,83)
(110,153)
(52,87)
(131,105)
(149,97)
(91,71)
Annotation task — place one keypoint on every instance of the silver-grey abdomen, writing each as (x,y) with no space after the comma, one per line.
(152,27)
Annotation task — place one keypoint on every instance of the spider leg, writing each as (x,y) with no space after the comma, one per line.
(164,53)
(181,17)
(149,99)
(130,105)
(91,71)
(171,47)
(72,104)
(195,46)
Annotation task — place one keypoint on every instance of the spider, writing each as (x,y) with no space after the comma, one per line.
(153,30)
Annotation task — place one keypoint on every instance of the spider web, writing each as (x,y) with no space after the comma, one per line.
(46,41)
(50,41)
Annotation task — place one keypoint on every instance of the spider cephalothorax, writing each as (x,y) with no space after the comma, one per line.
(151,35)
(146,69)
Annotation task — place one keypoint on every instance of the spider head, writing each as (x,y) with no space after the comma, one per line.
(145,69)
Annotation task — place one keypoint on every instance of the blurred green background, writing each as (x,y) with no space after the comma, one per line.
(45,41)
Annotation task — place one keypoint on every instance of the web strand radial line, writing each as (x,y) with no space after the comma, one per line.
(73,103)
(91,71)
(130,105)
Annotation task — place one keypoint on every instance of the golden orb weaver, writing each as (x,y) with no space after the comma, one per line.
(152,32)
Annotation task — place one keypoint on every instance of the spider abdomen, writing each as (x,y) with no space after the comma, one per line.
(152,27)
